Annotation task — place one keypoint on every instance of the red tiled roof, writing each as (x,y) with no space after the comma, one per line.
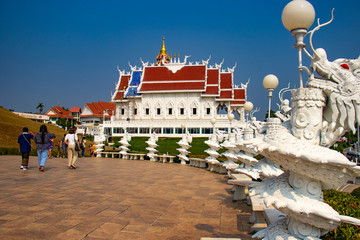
(239,96)
(119,95)
(173,86)
(225,82)
(98,108)
(226,94)
(124,83)
(212,76)
(237,102)
(163,79)
(239,93)
(75,109)
(212,90)
(59,113)
(164,74)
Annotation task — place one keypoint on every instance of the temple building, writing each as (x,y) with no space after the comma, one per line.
(172,97)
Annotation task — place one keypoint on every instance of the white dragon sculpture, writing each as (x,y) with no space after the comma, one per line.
(320,114)
(340,81)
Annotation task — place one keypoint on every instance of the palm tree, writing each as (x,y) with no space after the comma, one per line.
(40,106)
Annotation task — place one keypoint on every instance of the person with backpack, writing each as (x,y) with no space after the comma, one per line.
(24,141)
(42,139)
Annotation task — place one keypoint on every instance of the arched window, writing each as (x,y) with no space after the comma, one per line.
(146,109)
(194,108)
(181,109)
(207,109)
(170,109)
(158,109)
(135,109)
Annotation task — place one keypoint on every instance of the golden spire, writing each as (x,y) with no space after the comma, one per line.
(163,57)
(163,49)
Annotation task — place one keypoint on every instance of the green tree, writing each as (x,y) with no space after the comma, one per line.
(64,123)
(40,106)
(272,114)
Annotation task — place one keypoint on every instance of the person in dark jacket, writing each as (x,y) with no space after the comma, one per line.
(42,139)
(24,141)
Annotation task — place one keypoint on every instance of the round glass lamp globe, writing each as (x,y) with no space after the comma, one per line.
(231,116)
(213,121)
(248,106)
(298,14)
(270,81)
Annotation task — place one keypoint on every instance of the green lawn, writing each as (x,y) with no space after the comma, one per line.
(168,145)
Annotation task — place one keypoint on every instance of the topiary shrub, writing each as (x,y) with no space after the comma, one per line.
(344,204)
(356,192)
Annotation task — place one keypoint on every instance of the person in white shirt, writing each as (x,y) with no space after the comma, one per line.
(71,141)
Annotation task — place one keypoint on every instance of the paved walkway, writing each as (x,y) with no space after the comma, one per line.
(116,199)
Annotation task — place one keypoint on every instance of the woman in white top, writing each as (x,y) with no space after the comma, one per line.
(71,140)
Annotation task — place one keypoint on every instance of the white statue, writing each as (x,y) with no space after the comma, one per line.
(152,146)
(341,87)
(284,109)
(214,145)
(124,148)
(230,154)
(185,145)
(299,146)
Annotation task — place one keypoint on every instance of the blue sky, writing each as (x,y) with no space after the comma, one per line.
(68,51)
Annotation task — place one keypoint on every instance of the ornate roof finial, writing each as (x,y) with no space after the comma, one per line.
(163,57)
(163,49)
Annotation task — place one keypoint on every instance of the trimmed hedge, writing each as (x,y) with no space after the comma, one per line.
(15,151)
(344,204)
(356,193)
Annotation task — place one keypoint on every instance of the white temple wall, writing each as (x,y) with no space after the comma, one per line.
(188,110)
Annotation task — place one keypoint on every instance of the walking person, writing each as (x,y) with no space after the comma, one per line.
(59,148)
(83,146)
(24,141)
(42,139)
(51,146)
(63,144)
(73,147)
(91,149)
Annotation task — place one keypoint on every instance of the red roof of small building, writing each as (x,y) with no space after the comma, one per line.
(59,112)
(75,109)
(99,108)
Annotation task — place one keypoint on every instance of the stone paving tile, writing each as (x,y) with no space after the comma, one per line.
(117,199)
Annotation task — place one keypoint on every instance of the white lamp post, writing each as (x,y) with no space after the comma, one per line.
(270,82)
(248,106)
(231,117)
(297,17)
(213,121)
